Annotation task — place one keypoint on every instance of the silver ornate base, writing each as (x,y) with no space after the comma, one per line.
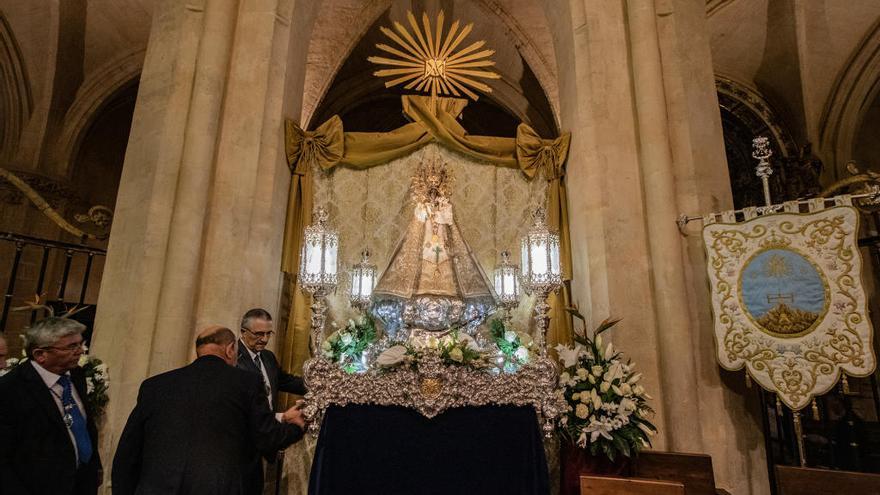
(431,387)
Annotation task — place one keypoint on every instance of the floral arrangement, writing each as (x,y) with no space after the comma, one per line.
(97,379)
(347,346)
(454,349)
(515,347)
(607,407)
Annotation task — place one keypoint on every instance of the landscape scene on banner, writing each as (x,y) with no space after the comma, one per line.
(783,292)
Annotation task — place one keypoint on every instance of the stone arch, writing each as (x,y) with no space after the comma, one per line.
(95,93)
(340,25)
(746,114)
(856,87)
(16,100)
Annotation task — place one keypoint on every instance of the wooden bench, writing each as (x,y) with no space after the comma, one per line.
(694,471)
(807,481)
(609,485)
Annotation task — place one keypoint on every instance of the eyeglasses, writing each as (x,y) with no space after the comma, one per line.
(259,335)
(67,348)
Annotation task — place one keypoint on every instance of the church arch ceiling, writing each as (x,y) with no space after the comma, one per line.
(16,100)
(339,79)
(854,93)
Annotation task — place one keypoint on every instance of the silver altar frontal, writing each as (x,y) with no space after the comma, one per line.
(431,299)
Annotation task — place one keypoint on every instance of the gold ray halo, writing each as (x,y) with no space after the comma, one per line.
(427,61)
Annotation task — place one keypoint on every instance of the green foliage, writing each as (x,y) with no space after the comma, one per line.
(346,346)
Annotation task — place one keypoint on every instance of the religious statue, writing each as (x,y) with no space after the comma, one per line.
(433,283)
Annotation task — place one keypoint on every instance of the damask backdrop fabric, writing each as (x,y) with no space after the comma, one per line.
(370,208)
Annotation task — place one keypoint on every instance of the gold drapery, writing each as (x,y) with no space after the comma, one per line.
(329,146)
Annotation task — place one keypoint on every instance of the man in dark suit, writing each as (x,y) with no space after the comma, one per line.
(253,357)
(197,429)
(256,330)
(48,439)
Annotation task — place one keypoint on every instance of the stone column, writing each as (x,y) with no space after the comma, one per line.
(611,258)
(200,215)
(673,322)
(729,419)
(637,93)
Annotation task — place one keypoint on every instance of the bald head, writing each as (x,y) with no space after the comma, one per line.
(219,341)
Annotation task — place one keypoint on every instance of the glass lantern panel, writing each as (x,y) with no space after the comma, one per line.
(554,258)
(313,258)
(367,283)
(355,289)
(330,257)
(524,257)
(539,256)
(509,283)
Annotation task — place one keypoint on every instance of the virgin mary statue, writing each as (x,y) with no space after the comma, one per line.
(433,282)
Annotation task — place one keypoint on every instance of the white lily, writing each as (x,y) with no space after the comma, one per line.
(569,355)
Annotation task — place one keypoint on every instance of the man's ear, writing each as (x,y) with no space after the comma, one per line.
(232,352)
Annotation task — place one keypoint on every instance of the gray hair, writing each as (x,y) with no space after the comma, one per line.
(254,314)
(47,332)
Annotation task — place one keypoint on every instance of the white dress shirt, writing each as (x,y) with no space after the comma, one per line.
(262,367)
(56,390)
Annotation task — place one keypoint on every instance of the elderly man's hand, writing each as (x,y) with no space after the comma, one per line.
(294,416)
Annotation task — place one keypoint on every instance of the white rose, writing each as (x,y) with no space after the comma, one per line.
(391,356)
(604,387)
(625,389)
(581,411)
(456,355)
(509,336)
(564,378)
(432,342)
(522,354)
(581,373)
(576,396)
(327,350)
(346,338)
(592,379)
(597,370)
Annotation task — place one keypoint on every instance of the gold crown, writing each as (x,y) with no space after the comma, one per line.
(432,182)
(775,242)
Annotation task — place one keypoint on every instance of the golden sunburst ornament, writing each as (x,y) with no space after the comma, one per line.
(428,61)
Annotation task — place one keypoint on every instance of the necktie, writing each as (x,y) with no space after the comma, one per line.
(259,362)
(74,420)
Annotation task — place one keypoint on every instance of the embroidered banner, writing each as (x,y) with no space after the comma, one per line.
(788,300)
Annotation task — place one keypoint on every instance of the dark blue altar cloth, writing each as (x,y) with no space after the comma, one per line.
(384,450)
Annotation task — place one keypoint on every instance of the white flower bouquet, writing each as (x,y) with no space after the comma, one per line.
(453,349)
(347,346)
(515,347)
(607,407)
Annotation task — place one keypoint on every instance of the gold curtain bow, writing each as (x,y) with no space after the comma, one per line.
(324,146)
(535,154)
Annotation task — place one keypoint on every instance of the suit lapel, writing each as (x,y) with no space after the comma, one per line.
(41,394)
(244,358)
